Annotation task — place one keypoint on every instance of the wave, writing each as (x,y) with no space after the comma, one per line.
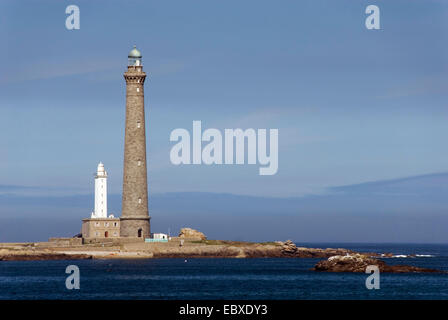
(408,256)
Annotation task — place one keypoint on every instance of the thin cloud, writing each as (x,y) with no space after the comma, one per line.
(47,69)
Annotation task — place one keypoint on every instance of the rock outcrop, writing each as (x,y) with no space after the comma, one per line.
(41,255)
(303,252)
(189,233)
(235,249)
(289,248)
(359,263)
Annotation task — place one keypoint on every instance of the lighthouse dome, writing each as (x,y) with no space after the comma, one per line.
(135,53)
(100,170)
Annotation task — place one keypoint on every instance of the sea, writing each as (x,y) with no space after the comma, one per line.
(216,278)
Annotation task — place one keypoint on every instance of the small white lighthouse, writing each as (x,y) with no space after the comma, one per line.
(100,225)
(100,193)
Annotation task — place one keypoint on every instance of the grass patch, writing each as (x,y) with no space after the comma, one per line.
(222,242)
(270,243)
(233,243)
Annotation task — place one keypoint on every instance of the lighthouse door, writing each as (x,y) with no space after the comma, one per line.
(106,234)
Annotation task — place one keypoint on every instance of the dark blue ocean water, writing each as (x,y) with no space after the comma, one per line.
(266,278)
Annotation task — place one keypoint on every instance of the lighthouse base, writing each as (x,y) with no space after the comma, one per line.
(135,227)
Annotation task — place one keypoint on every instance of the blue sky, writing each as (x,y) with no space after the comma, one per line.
(352,105)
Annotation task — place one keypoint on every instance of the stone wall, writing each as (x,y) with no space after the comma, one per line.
(111,241)
(65,241)
(130,227)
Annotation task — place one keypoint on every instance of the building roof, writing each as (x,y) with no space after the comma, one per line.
(135,53)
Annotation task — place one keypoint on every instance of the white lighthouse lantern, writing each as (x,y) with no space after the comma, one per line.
(135,57)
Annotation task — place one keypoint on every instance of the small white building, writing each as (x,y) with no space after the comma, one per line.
(160,236)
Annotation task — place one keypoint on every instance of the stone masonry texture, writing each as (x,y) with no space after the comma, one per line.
(135,214)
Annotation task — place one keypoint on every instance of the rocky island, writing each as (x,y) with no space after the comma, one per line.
(194,244)
(177,248)
(359,262)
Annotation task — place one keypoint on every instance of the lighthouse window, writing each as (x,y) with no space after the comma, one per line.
(139,163)
(138,124)
(139,200)
(115,224)
(138,89)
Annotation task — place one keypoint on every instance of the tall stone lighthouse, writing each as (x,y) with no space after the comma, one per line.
(134,220)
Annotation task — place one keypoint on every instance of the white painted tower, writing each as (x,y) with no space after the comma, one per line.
(100,193)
